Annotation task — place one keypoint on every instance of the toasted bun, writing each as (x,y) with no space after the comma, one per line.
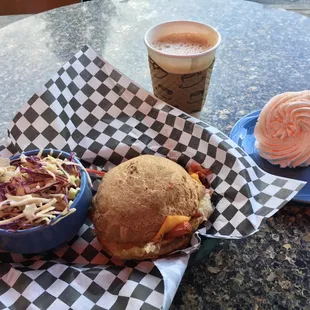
(135,197)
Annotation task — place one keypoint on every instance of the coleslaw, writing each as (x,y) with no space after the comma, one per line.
(34,190)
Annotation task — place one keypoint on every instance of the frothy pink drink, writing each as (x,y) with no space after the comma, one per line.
(181,57)
(182,44)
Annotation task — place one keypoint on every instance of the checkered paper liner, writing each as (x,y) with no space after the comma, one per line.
(90,108)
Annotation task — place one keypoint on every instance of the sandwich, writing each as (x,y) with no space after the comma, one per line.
(150,206)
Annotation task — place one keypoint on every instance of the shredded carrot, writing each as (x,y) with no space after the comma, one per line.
(93,171)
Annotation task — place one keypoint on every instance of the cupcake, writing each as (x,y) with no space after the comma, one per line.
(282,131)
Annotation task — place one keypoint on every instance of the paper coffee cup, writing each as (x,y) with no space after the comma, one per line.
(182,80)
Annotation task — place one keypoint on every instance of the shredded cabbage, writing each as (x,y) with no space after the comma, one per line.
(34,190)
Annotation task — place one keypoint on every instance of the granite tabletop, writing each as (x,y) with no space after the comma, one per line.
(263,52)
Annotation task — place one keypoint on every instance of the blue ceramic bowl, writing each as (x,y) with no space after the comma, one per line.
(46,237)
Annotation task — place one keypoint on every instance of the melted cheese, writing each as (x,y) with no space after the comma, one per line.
(169,223)
(195,176)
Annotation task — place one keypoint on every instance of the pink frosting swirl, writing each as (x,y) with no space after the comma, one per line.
(283,130)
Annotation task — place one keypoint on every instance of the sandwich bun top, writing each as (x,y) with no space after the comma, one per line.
(135,197)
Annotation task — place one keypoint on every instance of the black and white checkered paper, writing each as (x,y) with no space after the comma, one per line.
(92,109)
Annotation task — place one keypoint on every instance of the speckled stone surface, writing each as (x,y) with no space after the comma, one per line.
(269,270)
(9,19)
(264,52)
